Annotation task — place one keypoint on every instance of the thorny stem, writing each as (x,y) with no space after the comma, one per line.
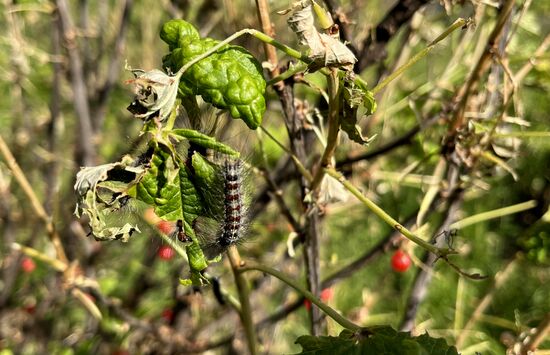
(441,252)
(344,322)
(242,288)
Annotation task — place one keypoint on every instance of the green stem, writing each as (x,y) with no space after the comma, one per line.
(269,40)
(259,35)
(480,217)
(338,318)
(459,23)
(333,128)
(172,118)
(441,252)
(293,70)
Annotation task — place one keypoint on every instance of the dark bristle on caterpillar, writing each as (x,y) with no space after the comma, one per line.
(233,222)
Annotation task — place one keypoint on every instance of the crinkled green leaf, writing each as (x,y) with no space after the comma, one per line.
(175,30)
(375,340)
(204,141)
(230,78)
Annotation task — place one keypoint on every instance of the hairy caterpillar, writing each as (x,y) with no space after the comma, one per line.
(228,222)
(222,182)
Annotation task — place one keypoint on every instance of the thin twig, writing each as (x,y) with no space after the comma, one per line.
(373,49)
(277,195)
(35,202)
(262,7)
(113,67)
(466,90)
(500,279)
(81,104)
(246,311)
(396,143)
(459,23)
(439,252)
(538,337)
(424,276)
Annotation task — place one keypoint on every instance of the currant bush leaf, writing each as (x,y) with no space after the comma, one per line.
(230,78)
(204,141)
(381,340)
(168,188)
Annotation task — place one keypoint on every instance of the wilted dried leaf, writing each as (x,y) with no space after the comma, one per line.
(155,93)
(325,50)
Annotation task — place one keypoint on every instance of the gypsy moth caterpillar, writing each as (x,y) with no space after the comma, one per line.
(221,180)
(228,221)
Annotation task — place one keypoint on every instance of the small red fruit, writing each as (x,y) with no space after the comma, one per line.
(326,295)
(165,252)
(30,308)
(28,265)
(165,227)
(168,315)
(400,261)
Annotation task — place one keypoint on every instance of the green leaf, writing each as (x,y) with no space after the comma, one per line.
(381,340)
(204,141)
(174,31)
(169,188)
(229,79)
(208,181)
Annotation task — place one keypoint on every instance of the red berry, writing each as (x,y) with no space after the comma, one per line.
(327,294)
(165,227)
(28,265)
(29,308)
(400,261)
(165,252)
(168,315)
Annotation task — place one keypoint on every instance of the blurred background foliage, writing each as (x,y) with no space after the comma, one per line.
(144,309)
